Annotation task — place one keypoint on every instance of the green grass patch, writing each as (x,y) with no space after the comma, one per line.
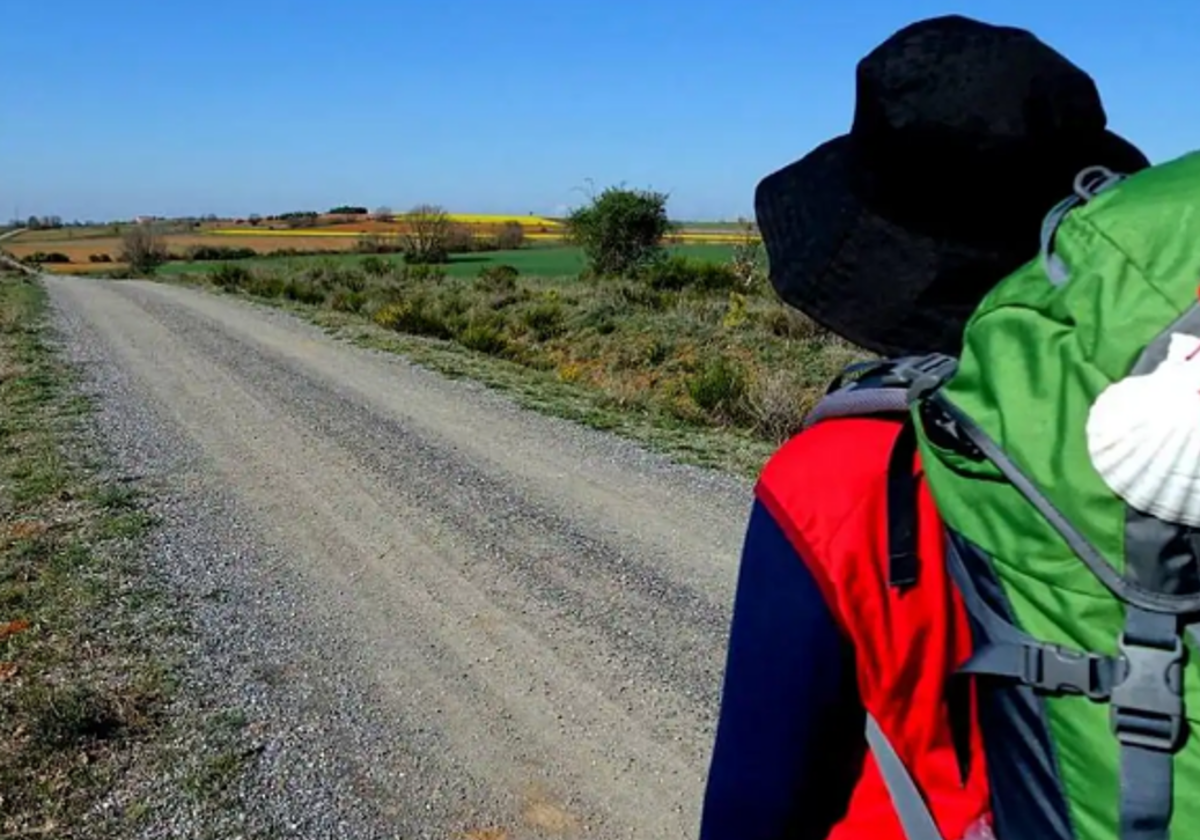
(536,260)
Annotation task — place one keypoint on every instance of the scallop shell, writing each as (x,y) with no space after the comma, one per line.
(1143,435)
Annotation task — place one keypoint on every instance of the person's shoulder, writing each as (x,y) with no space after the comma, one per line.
(827,475)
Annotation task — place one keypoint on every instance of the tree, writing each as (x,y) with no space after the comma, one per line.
(383,214)
(621,230)
(427,232)
(143,249)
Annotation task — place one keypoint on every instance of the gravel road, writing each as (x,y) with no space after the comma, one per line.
(443,614)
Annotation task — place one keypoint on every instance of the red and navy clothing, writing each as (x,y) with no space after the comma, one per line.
(818,637)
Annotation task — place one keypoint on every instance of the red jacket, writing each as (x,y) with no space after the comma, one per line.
(827,490)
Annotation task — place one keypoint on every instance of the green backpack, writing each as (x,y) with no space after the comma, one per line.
(1084,608)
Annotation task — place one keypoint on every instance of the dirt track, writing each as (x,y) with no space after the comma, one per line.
(523,620)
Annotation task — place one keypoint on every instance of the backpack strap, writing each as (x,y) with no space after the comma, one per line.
(882,388)
(913,812)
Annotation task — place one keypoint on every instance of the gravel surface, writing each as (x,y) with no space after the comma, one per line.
(421,610)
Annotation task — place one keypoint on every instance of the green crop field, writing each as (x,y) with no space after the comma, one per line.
(531,262)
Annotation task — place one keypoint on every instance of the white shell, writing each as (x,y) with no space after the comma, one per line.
(1143,435)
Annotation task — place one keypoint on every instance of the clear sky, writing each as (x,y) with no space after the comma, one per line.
(112,109)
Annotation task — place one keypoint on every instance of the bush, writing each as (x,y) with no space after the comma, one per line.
(430,274)
(346,300)
(416,315)
(510,237)
(620,231)
(459,239)
(785,322)
(678,272)
(42,257)
(375,266)
(100,258)
(777,403)
(374,243)
(497,279)
(484,335)
(143,249)
(266,284)
(218,252)
(544,319)
(304,290)
(228,276)
(718,388)
(427,234)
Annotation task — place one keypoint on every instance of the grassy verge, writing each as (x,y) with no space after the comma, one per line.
(76,687)
(88,666)
(687,360)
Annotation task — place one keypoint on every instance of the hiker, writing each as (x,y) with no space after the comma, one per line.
(965,137)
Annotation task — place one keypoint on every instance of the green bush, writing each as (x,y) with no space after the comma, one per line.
(304,290)
(100,258)
(718,387)
(230,276)
(218,252)
(497,279)
(266,284)
(375,266)
(416,315)
(544,319)
(346,300)
(620,231)
(484,335)
(678,272)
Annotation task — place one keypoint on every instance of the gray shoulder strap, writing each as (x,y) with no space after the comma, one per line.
(910,806)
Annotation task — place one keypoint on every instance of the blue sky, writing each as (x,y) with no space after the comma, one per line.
(111,109)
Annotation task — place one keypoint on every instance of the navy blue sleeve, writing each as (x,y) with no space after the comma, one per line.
(789,737)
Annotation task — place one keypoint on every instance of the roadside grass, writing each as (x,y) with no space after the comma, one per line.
(89,670)
(77,687)
(686,360)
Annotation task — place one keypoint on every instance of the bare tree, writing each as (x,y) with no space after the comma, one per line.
(143,249)
(427,231)
(383,214)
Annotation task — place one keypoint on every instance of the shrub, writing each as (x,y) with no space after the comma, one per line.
(100,258)
(374,243)
(229,276)
(427,234)
(678,272)
(777,403)
(785,322)
(218,252)
(304,290)
(423,274)
(41,257)
(544,319)
(375,266)
(266,284)
(510,237)
(718,388)
(621,230)
(416,315)
(346,300)
(143,249)
(484,335)
(497,279)
(459,239)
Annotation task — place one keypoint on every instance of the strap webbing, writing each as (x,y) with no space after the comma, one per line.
(1147,707)
(902,509)
(915,818)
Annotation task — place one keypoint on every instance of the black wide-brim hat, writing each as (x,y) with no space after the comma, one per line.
(965,135)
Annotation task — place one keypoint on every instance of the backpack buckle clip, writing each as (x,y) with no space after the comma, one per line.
(923,374)
(1059,670)
(1147,697)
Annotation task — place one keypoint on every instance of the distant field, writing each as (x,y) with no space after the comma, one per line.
(531,262)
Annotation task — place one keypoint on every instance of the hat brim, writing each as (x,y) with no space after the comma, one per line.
(866,278)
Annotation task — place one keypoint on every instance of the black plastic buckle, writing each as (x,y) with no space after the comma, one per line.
(1061,670)
(922,374)
(1147,698)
